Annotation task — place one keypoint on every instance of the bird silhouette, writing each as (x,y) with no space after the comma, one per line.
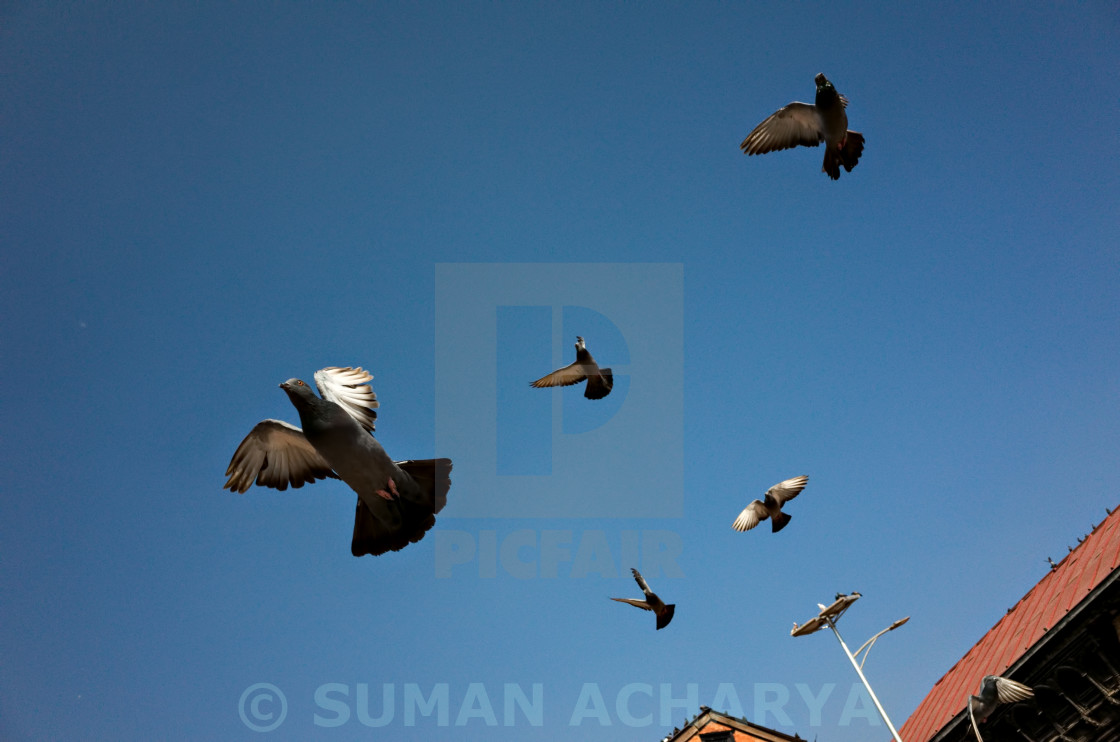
(397,500)
(759,510)
(600,381)
(809,124)
(653,603)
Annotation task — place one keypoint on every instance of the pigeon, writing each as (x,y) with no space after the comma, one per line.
(995,690)
(776,496)
(653,603)
(397,500)
(600,381)
(809,125)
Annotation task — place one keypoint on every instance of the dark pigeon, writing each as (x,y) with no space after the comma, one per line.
(600,381)
(653,603)
(995,690)
(776,496)
(809,125)
(397,500)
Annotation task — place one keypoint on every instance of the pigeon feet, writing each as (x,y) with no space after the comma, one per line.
(392,489)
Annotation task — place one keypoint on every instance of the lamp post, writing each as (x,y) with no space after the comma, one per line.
(828,616)
(871,642)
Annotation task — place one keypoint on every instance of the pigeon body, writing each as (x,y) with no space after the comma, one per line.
(397,500)
(653,603)
(600,381)
(808,125)
(771,508)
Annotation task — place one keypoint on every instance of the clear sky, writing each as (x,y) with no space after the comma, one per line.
(201,200)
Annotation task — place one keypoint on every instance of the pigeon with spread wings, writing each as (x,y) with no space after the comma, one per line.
(397,500)
(600,381)
(653,603)
(809,124)
(995,690)
(776,496)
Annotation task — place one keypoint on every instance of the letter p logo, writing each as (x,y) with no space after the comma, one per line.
(523,452)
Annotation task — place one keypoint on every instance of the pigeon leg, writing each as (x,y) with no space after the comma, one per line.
(392,489)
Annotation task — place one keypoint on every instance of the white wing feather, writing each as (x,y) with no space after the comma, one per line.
(783,492)
(1009,691)
(349,388)
(751,516)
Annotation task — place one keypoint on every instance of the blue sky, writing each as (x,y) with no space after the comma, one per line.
(199,201)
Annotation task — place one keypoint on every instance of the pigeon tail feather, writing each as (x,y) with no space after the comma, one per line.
(372,537)
(599,387)
(847,155)
(412,517)
(779,521)
(852,149)
(433,477)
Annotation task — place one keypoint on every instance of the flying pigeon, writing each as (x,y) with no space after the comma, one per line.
(995,690)
(809,125)
(653,603)
(397,500)
(600,381)
(776,496)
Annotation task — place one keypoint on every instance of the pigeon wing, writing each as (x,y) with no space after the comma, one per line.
(751,516)
(1010,691)
(572,374)
(275,454)
(638,603)
(783,492)
(349,388)
(797,123)
(641,581)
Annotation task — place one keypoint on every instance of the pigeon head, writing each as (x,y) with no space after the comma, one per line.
(826,94)
(579,343)
(299,392)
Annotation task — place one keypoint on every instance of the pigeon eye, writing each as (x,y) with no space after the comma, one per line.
(299,383)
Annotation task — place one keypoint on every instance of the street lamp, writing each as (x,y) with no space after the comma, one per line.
(871,642)
(828,616)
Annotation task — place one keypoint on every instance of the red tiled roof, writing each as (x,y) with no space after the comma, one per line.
(1055,595)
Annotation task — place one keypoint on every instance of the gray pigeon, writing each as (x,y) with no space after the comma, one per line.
(809,125)
(653,603)
(397,500)
(776,496)
(600,381)
(995,690)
